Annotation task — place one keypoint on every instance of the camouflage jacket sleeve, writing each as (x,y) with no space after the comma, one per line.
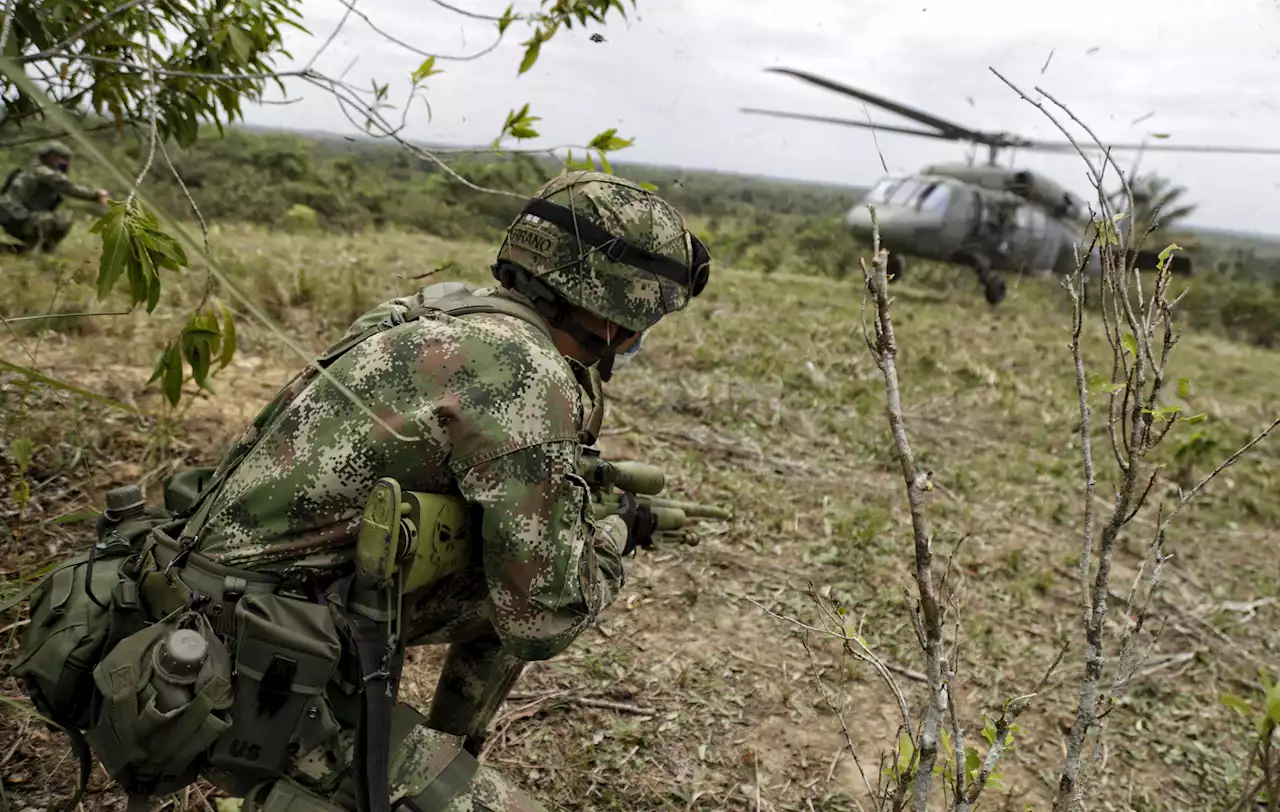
(550,567)
(511,409)
(54,181)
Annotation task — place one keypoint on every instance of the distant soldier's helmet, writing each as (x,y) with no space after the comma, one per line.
(55,148)
(609,246)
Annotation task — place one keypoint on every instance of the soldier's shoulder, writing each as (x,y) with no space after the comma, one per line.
(493,339)
(41,172)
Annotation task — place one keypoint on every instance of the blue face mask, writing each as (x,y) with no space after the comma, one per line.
(623,358)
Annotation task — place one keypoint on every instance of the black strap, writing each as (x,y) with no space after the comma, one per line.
(81,748)
(379,675)
(616,248)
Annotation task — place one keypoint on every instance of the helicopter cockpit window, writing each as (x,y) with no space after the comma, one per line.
(934,198)
(905,195)
(881,191)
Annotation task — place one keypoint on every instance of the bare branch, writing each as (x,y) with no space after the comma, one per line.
(917,484)
(465,13)
(151,105)
(351,7)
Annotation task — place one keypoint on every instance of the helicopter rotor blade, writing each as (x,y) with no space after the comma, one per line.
(850,123)
(1066,146)
(955,131)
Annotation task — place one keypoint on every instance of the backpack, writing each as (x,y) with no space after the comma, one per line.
(169,666)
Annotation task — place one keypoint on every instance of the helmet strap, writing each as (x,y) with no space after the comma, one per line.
(559,314)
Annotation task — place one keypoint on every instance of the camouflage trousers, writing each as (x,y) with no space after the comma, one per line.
(477,674)
(423,767)
(45,229)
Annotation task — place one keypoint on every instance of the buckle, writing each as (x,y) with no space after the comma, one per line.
(615,249)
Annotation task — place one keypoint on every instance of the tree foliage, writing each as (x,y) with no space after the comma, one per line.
(164,68)
(208,58)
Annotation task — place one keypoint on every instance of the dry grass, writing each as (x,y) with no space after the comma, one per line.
(761,396)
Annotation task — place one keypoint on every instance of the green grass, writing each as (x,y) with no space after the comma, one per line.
(762,396)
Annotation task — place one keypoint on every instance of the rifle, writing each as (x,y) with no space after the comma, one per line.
(608,480)
(417,538)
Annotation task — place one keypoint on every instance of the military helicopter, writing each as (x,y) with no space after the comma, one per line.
(990,218)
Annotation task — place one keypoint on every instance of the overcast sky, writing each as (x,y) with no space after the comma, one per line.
(676,73)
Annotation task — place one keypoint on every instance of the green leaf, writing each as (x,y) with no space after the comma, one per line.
(521,131)
(532,48)
(608,141)
(427,68)
(172,374)
(1102,383)
(1184,388)
(241,43)
(1196,418)
(1159,135)
(972,763)
(1130,342)
(1273,704)
(648,186)
(1236,704)
(22,449)
(170,249)
(115,252)
(505,20)
(149,281)
(228,337)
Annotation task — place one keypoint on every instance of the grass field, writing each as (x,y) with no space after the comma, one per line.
(761,396)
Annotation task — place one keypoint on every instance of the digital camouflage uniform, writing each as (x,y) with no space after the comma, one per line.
(483,406)
(27,208)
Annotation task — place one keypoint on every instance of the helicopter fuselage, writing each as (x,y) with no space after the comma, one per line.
(947,219)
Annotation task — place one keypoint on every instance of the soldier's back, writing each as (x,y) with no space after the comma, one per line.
(437,396)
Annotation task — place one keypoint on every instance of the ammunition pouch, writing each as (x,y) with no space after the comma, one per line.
(284,795)
(148,747)
(286,652)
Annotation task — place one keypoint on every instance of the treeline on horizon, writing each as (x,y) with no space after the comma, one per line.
(305,180)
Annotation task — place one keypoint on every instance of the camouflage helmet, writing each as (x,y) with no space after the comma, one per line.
(55,148)
(609,246)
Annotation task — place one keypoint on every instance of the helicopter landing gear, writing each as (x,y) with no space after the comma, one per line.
(993,285)
(897,267)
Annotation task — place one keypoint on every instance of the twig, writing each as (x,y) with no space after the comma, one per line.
(351,7)
(151,105)
(324,46)
(46,316)
(607,704)
(848,737)
(465,13)
(917,483)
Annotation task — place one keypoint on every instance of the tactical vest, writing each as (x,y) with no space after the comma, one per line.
(169,666)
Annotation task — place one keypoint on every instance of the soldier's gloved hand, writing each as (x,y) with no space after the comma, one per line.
(640,522)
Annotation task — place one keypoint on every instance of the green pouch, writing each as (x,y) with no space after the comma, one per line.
(82,606)
(150,746)
(183,488)
(286,796)
(286,651)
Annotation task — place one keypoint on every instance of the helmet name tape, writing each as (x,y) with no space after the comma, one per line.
(616,248)
(531,240)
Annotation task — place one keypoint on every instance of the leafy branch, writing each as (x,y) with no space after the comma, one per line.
(175,64)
